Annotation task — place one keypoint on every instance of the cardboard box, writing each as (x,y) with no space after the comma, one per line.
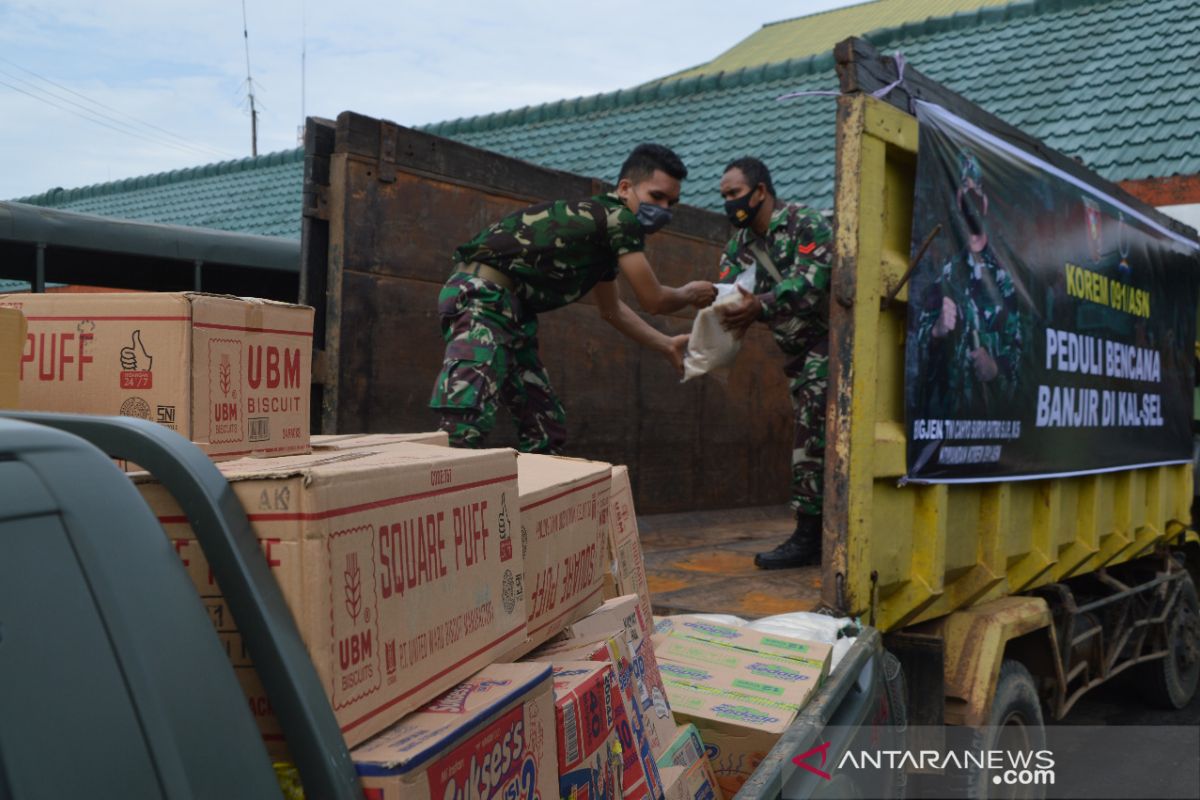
(639,777)
(637,671)
(589,758)
(624,613)
(12,342)
(357,441)
(685,769)
(491,736)
(814,654)
(738,731)
(232,375)
(796,694)
(681,658)
(694,783)
(618,613)
(398,565)
(564,533)
(625,544)
(686,749)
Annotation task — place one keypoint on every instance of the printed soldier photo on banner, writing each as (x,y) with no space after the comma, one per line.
(973,324)
(1045,311)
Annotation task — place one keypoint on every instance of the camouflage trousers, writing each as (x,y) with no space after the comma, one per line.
(492,359)
(808,380)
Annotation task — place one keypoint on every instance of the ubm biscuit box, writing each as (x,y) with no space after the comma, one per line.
(625,544)
(232,375)
(564,536)
(398,565)
(12,342)
(358,441)
(492,736)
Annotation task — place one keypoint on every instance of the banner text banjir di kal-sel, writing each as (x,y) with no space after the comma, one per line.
(1050,326)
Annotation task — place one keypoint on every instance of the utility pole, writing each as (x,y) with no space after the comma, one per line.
(250,86)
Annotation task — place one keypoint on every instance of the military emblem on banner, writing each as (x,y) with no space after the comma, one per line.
(1091,210)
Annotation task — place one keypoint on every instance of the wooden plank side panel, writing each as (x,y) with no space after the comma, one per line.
(409,227)
(710,443)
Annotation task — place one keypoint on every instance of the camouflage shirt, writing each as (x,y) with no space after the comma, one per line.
(799,242)
(557,251)
(988,316)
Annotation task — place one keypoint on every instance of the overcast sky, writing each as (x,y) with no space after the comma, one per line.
(92,92)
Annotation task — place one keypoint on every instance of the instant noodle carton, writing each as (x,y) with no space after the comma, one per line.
(637,672)
(399,566)
(590,764)
(493,735)
(738,729)
(680,658)
(231,374)
(733,638)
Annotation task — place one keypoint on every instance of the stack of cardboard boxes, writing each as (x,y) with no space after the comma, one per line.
(741,688)
(452,601)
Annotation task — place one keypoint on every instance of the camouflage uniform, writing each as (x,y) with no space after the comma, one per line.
(554,253)
(800,244)
(989,316)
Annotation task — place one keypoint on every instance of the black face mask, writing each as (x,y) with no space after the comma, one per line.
(653,218)
(740,212)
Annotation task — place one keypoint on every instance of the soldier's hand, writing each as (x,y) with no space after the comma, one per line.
(700,294)
(985,366)
(738,318)
(676,349)
(947,320)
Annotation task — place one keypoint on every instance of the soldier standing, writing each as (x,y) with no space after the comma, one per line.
(969,332)
(542,258)
(790,247)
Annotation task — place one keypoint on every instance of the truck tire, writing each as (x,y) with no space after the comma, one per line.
(1015,722)
(1170,683)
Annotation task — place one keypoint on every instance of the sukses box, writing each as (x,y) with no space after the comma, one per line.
(564,536)
(232,375)
(492,735)
(398,566)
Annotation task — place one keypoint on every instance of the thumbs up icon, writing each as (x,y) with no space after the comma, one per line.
(135,357)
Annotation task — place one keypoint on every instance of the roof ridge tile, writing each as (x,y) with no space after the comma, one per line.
(59,195)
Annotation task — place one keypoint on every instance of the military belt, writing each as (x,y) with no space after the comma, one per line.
(488,273)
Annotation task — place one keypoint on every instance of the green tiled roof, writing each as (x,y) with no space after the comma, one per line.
(251,195)
(1113,82)
(818,33)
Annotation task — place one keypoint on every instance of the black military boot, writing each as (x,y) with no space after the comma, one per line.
(802,549)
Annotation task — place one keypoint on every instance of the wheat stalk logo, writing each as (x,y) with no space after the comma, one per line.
(352,583)
(224,370)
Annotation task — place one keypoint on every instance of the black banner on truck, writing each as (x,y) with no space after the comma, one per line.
(1050,326)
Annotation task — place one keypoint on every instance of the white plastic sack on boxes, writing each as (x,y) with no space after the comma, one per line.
(711,346)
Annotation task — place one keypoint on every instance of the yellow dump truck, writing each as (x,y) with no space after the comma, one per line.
(1004,601)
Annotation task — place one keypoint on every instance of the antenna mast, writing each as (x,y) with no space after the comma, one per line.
(250,87)
(303,69)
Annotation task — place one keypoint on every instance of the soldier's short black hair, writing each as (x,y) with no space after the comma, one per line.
(646,158)
(756,172)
